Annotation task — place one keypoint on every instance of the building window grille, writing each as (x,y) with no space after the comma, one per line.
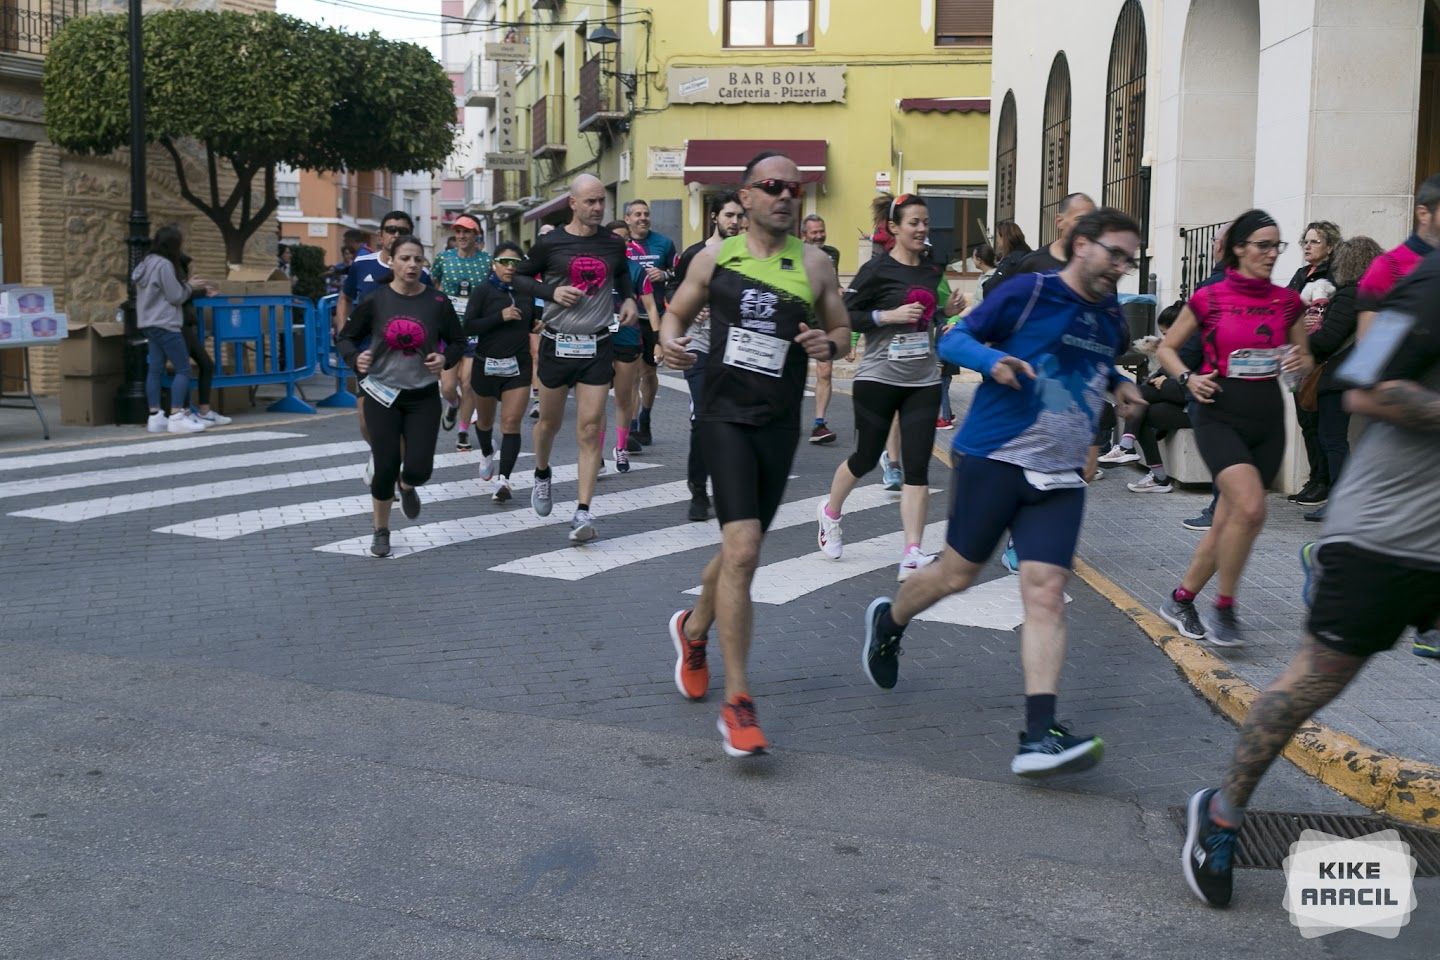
(1055,147)
(1005,161)
(1125,113)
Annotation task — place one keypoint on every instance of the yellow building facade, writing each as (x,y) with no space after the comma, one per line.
(665,103)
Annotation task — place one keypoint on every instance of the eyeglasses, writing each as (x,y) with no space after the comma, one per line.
(1312,243)
(1119,256)
(776,187)
(395,229)
(1265,246)
(507,261)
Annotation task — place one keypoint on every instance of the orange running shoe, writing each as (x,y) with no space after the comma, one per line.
(737,724)
(692,675)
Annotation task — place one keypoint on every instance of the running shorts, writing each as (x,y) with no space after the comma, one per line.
(1245,424)
(470,348)
(751,466)
(557,372)
(990,496)
(1364,600)
(493,386)
(626,352)
(649,340)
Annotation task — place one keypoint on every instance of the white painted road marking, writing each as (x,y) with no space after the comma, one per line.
(74,481)
(994,605)
(611,554)
(115,451)
(75,511)
(408,541)
(787,580)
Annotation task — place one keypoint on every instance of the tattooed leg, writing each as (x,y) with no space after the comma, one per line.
(1314,678)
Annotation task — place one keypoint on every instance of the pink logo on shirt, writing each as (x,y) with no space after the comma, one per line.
(588,274)
(405,335)
(926,299)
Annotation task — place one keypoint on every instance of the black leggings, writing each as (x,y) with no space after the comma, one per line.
(875,407)
(202,360)
(414,417)
(1157,419)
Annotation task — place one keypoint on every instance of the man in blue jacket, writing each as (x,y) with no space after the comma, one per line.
(1046,345)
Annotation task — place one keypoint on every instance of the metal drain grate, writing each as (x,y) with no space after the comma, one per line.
(1267,835)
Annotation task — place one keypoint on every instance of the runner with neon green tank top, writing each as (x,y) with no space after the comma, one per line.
(767,293)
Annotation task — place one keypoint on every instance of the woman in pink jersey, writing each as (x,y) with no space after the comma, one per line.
(1250,337)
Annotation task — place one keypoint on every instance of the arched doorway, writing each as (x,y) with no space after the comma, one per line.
(1054,147)
(1219,88)
(1005,150)
(1125,114)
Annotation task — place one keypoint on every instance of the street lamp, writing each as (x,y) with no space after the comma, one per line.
(130,403)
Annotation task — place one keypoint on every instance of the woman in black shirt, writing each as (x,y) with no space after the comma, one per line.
(405,323)
(499,323)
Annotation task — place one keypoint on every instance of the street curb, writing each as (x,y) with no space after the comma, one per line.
(1400,788)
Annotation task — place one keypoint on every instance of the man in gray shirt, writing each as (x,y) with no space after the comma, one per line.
(1378,560)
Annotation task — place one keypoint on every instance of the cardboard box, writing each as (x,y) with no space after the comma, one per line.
(93,350)
(16,299)
(254,281)
(88,401)
(230,400)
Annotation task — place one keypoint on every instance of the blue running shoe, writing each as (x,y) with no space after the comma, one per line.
(1427,645)
(1010,560)
(1307,563)
(1209,852)
(890,473)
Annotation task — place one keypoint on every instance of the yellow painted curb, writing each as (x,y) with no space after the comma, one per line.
(1405,790)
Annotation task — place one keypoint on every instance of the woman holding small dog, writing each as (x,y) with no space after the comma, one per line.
(1315,285)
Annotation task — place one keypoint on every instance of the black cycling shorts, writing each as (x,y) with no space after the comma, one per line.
(1364,600)
(749,467)
(649,340)
(491,385)
(565,372)
(1245,424)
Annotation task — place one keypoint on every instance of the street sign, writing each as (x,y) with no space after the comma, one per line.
(506,161)
(507,52)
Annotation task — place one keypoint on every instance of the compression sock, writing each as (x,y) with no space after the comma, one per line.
(486,441)
(1183,595)
(1039,715)
(1223,602)
(644,416)
(509,452)
(622,437)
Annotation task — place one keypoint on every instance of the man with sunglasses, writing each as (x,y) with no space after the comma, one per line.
(367,274)
(582,268)
(458,272)
(1046,346)
(765,290)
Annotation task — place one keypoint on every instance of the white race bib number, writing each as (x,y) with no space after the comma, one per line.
(460,303)
(575,346)
(1261,363)
(383,395)
(1063,480)
(759,352)
(502,367)
(909,346)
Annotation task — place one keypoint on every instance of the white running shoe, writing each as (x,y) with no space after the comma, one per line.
(582,527)
(604,468)
(158,422)
(487,467)
(1148,484)
(540,500)
(914,559)
(213,419)
(1119,454)
(183,421)
(369,471)
(830,536)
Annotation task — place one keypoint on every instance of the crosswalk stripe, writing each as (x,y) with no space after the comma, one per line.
(408,541)
(75,511)
(778,583)
(73,481)
(994,605)
(610,554)
(113,452)
(231,525)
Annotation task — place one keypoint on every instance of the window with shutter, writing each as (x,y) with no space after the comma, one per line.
(959,22)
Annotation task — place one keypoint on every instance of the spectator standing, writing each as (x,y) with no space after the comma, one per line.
(203,363)
(160,296)
(1011,248)
(1312,281)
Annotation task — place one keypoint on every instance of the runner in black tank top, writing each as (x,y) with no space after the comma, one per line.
(768,296)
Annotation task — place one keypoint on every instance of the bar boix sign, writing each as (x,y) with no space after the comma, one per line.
(756,84)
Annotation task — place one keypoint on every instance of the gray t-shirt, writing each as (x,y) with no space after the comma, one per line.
(898,355)
(400,331)
(1388,498)
(595,264)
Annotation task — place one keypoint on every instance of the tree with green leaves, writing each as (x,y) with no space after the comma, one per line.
(254,90)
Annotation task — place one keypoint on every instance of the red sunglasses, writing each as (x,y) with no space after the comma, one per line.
(776,187)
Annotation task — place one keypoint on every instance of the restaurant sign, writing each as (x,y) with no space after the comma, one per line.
(754,84)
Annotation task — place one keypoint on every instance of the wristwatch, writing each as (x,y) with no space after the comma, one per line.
(1184,378)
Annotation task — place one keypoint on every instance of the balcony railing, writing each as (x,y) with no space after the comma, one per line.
(599,95)
(378,204)
(28,26)
(1195,265)
(482,84)
(547,127)
(509,186)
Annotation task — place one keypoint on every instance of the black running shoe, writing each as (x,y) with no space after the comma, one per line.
(1224,628)
(1314,498)
(451,415)
(643,435)
(1056,752)
(632,444)
(1209,852)
(880,657)
(410,502)
(699,504)
(380,543)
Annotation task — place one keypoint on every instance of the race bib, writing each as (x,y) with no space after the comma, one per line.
(759,352)
(1254,363)
(1062,480)
(460,303)
(909,346)
(383,395)
(575,346)
(502,367)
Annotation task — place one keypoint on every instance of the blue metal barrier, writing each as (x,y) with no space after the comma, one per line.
(323,349)
(261,334)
